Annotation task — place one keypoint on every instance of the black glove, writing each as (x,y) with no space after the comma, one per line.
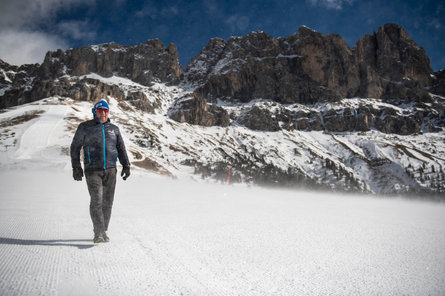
(125,172)
(77,173)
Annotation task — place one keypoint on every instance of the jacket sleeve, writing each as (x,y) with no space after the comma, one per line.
(76,145)
(122,152)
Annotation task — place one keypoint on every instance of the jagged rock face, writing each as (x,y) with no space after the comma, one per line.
(92,90)
(83,90)
(310,67)
(140,101)
(144,63)
(392,66)
(327,60)
(260,66)
(257,118)
(198,70)
(195,110)
(15,82)
(438,85)
(345,116)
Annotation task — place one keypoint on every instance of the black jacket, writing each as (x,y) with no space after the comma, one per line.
(102,145)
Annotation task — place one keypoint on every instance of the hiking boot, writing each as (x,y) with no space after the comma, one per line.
(98,239)
(105,236)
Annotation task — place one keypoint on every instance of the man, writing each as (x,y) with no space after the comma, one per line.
(102,145)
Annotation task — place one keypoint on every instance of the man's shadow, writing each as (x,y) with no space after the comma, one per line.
(57,243)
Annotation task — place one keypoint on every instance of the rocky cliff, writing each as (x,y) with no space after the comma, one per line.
(144,63)
(310,68)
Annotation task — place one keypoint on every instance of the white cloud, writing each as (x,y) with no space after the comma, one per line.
(77,30)
(238,22)
(150,10)
(330,4)
(435,23)
(22,47)
(20,13)
(170,11)
(211,6)
(21,38)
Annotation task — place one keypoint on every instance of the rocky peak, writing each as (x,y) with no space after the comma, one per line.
(15,81)
(392,66)
(310,67)
(257,44)
(303,68)
(327,60)
(438,85)
(199,68)
(143,63)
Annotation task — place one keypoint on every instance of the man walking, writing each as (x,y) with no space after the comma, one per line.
(102,145)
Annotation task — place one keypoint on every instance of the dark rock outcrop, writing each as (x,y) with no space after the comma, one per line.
(259,66)
(438,84)
(345,117)
(392,66)
(15,83)
(310,67)
(144,63)
(195,110)
(86,89)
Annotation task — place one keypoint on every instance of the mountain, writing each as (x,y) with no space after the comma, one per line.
(304,110)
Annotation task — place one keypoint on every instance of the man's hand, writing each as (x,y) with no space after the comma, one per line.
(77,173)
(125,172)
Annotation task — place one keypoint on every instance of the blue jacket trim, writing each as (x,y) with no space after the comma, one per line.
(105,150)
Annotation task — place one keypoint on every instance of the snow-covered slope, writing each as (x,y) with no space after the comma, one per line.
(40,133)
(182,237)
(171,237)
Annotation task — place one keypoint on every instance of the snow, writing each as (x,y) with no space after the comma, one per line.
(171,145)
(44,133)
(183,237)
(186,238)
(4,90)
(6,76)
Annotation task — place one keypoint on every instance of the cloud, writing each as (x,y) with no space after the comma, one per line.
(237,22)
(330,4)
(77,30)
(29,13)
(435,23)
(170,11)
(22,38)
(211,6)
(147,10)
(24,47)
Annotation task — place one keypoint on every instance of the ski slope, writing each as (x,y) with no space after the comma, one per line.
(186,238)
(183,237)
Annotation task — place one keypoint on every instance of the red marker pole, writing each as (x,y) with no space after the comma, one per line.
(228,177)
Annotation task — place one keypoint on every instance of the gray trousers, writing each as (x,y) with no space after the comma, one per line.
(101,185)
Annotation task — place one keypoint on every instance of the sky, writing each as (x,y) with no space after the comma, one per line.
(30,28)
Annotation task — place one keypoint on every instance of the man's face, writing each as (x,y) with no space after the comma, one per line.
(102,113)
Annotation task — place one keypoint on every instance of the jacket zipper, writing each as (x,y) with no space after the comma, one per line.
(105,151)
(89,156)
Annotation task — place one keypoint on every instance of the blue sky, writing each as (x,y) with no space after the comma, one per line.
(29,28)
